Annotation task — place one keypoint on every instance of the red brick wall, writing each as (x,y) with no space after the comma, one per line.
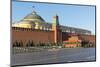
(25,34)
(36,35)
(65,36)
(89,38)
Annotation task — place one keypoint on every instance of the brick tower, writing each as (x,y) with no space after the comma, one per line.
(57,30)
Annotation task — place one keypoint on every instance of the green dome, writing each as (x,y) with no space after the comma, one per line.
(34,17)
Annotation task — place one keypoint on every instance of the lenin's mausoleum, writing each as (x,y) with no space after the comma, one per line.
(34,28)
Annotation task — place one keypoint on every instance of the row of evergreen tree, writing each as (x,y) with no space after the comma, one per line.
(33,44)
(40,44)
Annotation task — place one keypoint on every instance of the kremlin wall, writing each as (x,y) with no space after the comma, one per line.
(34,28)
(26,34)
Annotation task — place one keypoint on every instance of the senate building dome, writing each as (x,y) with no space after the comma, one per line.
(32,20)
(34,17)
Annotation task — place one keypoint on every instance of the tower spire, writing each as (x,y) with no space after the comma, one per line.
(56,20)
(56,29)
